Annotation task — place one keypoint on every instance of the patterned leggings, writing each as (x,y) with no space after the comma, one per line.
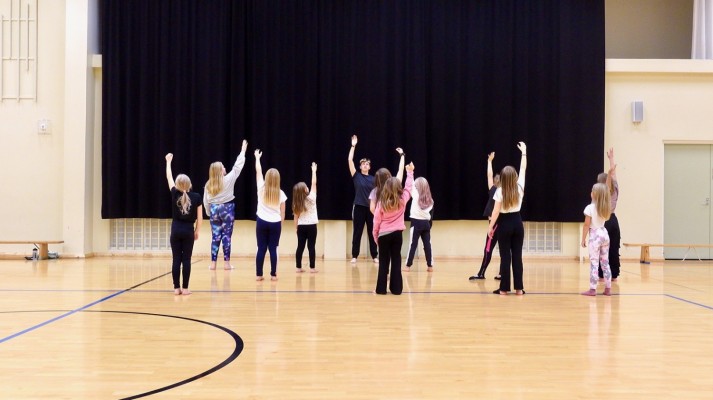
(222,217)
(598,246)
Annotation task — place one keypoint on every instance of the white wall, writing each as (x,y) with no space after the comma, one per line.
(53,182)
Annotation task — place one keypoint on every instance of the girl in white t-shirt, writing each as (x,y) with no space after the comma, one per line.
(270,214)
(304,209)
(595,215)
(511,232)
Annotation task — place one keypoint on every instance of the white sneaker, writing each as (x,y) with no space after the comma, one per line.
(376,261)
(353,261)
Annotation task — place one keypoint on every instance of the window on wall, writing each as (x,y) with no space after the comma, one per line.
(133,234)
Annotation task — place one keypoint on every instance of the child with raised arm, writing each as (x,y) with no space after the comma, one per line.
(382,174)
(490,242)
(612,223)
(506,216)
(420,214)
(595,215)
(186,209)
(388,228)
(218,199)
(304,209)
(270,214)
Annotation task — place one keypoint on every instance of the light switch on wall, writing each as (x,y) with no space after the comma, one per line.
(44,127)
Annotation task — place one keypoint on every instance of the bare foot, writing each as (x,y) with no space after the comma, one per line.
(313,270)
(177,292)
(186,292)
(353,261)
(273,278)
(212,266)
(299,270)
(607,292)
(259,278)
(429,269)
(376,261)
(228,267)
(590,292)
(519,292)
(406,269)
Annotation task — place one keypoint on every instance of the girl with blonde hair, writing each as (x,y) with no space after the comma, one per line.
(270,214)
(185,210)
(218,199)
(420,214)
(388,228)
(304,209)
(595,215)
(506,216)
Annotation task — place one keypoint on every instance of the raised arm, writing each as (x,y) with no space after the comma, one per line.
(611,175)
(350,159)
(313,189)
(169,174)
(491,156)
(406,195)
(258,168)
(402,162)
(523,160)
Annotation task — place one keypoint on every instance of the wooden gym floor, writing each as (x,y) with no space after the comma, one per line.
(110,328)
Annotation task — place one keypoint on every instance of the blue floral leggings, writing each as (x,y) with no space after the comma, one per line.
(222,217)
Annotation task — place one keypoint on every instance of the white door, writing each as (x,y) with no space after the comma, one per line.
(687,199)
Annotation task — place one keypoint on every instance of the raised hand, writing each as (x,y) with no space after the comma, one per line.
(169,157)
(314,167)
(245,145)
(400,151)
(491,156)
(354,140)
(522,146)
(410,167)
(258,153)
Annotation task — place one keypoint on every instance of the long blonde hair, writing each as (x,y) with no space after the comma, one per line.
(390,198)
(508,185)
(183,184)
(215,179)
(602,200)
(424,193)
(299,198)
(271,190)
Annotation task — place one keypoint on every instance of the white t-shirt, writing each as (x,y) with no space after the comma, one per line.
(265,212)
(597,220)
(521,193)
(309,215)
(416,211)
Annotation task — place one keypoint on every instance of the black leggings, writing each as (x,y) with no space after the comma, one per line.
(420,228)
(488,250)
(390,253)
(306,234)
(360,216)
(511,235)
(182,241)
(612,227)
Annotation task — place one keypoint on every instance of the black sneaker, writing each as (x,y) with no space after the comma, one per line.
(474,277)
(497,277)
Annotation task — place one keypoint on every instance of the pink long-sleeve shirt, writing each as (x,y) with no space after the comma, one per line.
(392,221)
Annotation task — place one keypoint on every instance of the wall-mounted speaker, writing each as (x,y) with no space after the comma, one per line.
(637,111)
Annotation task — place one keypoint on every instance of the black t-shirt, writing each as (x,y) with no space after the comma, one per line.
(176,212)
(362,187)
(491,203)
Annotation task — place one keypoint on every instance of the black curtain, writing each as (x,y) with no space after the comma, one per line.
(447,80)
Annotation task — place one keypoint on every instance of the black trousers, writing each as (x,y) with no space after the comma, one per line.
(420,228)
(306,234)
(362,215)
(182,249)
(511,235)
(488,250)
(612,227)
(390,253)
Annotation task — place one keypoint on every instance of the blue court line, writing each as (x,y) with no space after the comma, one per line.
(67,314)
(689,301)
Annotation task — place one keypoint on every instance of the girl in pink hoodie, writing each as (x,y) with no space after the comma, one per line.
(388,228)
